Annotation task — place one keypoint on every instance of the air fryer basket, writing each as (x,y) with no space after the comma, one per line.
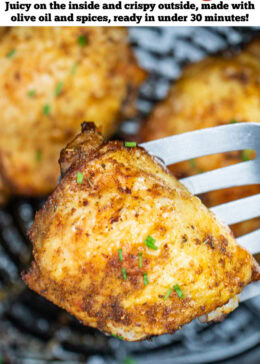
(32,330)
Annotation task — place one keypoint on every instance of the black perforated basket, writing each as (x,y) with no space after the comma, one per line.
(32,330)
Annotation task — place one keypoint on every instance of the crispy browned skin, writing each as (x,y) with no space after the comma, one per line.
(212,92)
(97,80)
(125,196)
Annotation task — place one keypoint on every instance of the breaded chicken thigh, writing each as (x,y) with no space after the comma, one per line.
(50,80)
(125,247)
(215,91)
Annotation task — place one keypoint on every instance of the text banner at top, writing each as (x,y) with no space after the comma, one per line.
(130,12)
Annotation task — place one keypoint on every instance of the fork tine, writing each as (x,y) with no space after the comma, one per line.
(250,241)
(237,175)
(250,291)
(221,139)
(215,140)
(238,210)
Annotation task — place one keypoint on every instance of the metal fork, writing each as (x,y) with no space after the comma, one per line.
(221,139)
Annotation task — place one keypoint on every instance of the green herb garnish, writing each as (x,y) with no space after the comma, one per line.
(124,273)
(120,254)
(11,53)
(193,164)
(247,155)
(234,121)
(31,93)
(146,279)
(38,155)
(82,40)
(73,68)
(178,291)
(130,144)
(46,109)
(58,88)
(140,255)
(149,242)
(80,178)
(118,337)
(168,294)
(129,360)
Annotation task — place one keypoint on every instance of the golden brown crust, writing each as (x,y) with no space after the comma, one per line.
(214,91)
(82,146)
(97,81)
(125,196)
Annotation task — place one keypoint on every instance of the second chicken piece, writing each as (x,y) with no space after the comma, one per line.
(215,91)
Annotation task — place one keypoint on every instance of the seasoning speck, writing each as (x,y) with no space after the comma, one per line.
(120,254)
(193,163)
(38,155)
(46,109)
(168,294)
(31,93)
(11,53)
(124,273)
(80,178)
(130,144)
(118,337)
(82,40)
(140,255)
(178,291)
(146,279)
(129,360)
(247,155)
(149,242)
(58,88)
(73,68)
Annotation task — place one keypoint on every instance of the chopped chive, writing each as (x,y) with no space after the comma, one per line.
(247,155)
(205,242)
(73,68)
(193,163)
(130,144)
(80,178)
(129,360)
(118,337)
(82,40)
(90,183)
(31,93)
(124,273)
(149,242)
(11,53)
(233,121)
(38,155)
(58,88)
(168,294)
(140,260)
(146,279)
(178,291)
(46,109)
(120,254)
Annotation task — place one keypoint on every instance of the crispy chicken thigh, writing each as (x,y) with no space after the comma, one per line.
(124,247)
(50,80)
(214,91)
